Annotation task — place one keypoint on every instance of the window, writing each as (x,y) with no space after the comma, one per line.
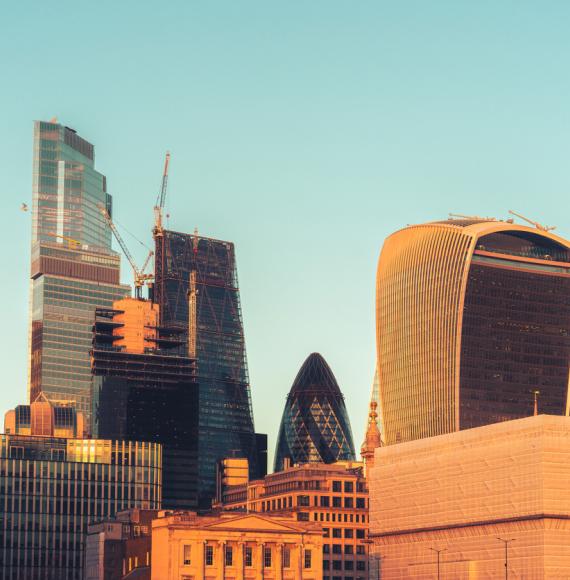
(303,517)
(326,565)
(308,558)
(360,486)
(337,486)
(337,549)
(209,555)
(348,487)
(348,549)
(337,564)
(248,556)
(286,558)
(348,503)
(267,557)
(229,556)
(337,533)
(360,550)
(303,500)
(325,501)
(360,502)
(361,565)
(360,534)
(326,532)
(337,502)
(326,548)
(349,565)
(348,533)
(187,554)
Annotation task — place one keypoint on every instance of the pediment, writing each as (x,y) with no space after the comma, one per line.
(252,522)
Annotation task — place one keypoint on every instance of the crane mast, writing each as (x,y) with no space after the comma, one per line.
(161,199)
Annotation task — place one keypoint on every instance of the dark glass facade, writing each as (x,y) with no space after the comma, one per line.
(516,330)
(315,427)
(149,396)
(191,266)
(52,488)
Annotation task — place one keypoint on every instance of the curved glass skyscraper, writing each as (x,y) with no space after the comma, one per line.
(473,318)
(315,425)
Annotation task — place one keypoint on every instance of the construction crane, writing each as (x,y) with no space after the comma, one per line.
(533,223)
(140,278)
(161,198)
(470,217)
(71,242)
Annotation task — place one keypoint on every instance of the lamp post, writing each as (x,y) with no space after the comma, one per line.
(438,552)
(506,542)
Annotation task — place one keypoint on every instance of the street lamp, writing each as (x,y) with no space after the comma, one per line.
(506,542)
(438,552)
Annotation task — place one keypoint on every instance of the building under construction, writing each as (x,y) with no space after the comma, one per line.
(145,390)
(197,291)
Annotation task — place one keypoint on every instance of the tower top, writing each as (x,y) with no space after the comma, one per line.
(372,440)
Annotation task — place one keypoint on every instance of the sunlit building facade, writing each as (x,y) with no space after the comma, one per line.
(315,426)
(465,494)
(335,496)
(53,483)
(473,317)
(187,546)
(73,268)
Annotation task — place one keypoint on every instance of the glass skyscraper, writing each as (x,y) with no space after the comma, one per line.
(197,290)
(473,323)
(73,269)
(315,427)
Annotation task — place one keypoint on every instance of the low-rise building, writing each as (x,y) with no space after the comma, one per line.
(334,496)
(229,546)
(488,502)
(119,546)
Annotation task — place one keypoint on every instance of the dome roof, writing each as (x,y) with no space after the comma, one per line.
(315,425)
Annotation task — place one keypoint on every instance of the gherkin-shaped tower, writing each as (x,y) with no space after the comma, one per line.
(315,425)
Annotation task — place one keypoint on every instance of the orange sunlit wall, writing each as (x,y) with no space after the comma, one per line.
(139,319)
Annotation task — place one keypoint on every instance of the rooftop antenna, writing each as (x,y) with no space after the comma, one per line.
(533,223)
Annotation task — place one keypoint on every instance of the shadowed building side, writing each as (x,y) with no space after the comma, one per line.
(315,427)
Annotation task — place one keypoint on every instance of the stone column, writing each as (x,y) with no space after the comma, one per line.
(300,554)
(259,571)
(202,560)
(279,562)
(221,560)
(240,560)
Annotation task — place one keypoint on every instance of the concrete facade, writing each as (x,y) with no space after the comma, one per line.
(467,494)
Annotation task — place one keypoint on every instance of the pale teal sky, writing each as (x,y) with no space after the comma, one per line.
(304,131)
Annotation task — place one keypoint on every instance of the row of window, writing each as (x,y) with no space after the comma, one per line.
(348,565)
(209,556)
(348,549)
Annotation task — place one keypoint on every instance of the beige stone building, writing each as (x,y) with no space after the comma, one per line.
(334,495)
(479,497)
(227,546)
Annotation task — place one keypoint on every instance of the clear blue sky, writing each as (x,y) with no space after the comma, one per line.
(304,131)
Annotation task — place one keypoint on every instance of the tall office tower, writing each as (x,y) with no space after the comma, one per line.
(54,483)
(73,268)
(145,390)
(473,320)
(197,290)
(315,427)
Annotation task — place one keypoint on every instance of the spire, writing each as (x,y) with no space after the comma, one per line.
(372,440)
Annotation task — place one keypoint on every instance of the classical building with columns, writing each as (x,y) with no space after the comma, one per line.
(227,546)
